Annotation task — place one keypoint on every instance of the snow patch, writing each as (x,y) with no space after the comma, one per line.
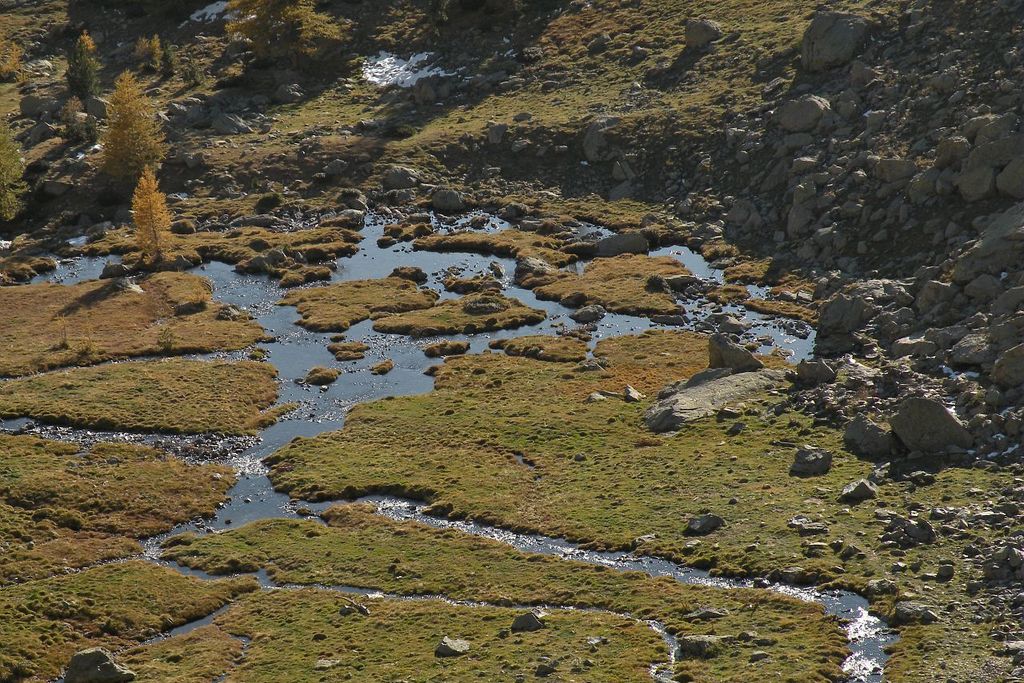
(212,12)
(387,69)
(5,245)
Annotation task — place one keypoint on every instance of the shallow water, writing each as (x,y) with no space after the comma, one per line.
(295,351)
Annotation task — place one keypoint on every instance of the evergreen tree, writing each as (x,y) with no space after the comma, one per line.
(12,168)
(133,139)
(83,73)
(151,217)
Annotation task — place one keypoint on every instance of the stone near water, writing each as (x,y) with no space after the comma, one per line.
(725,353)
(96,665)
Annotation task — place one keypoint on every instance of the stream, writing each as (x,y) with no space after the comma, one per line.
(294,351)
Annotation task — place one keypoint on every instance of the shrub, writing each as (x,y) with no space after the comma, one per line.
(83,75)
(149,53)
(268,202)
(133,140)
(169,60)
(192,73)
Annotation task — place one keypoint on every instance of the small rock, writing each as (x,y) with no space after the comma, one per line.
(527,621)
(702,525)
(810,462)
(451,647)
(859,490)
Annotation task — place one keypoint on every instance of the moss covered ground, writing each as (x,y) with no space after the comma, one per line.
(361,549)
(48,326)
(338,306)
(178,396)
(63,508)
(470,314)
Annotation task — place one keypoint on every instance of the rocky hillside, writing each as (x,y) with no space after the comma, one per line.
(854,167)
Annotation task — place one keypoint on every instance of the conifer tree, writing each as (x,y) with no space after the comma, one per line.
(282,27)
(83,73)
(12,168)
(151,217)
(133,139)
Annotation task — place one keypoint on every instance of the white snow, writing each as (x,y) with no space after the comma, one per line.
(387,69)
(211,12)
(4,244)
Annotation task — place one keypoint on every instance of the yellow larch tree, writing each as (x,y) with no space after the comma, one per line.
(151,217)
(133,140)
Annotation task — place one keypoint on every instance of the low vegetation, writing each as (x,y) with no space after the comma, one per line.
(622,285)
(361,549)
(511,243)
(542,347)
(43,623)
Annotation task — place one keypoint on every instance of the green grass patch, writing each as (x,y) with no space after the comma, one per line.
(63,508)
(177,396)
(338,306)
(48,326)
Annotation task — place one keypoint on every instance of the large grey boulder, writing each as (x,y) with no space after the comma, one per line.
(527,621)
(925,425)
(623,243)
(1000,248)
(857,491)
(832,39)
(451,647)
(96,665)
(33,106)
(230,124)
(702,32)
(802,114)
(725,353)
(447,200)
(702,525)
(704,395)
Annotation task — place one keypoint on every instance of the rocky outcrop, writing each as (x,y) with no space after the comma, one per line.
(701,397)
(832,40)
